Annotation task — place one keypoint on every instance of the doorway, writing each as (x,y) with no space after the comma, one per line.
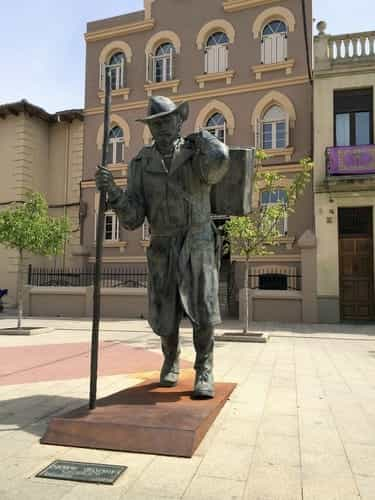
(356,263)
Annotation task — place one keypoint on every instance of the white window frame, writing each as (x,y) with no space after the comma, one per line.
(115,236)
(216,131)
(283,222)
(146,234)
(167,69)
(120,74)
(274,122)
(117,142)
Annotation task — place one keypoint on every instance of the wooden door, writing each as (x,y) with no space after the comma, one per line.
(356,278)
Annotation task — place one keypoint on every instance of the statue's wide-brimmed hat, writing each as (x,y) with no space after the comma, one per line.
(160,106)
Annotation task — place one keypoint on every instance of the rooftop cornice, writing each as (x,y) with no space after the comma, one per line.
(23,106)
(124,29)
(237,5)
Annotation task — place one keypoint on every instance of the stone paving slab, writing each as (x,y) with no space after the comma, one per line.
(300,424)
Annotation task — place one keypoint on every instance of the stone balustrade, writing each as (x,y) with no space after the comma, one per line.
(351,46)
(333,51)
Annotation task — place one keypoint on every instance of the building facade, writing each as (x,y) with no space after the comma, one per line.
(40,152)
(244,66)
(344,185)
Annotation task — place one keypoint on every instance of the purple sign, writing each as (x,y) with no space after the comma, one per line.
(351,160)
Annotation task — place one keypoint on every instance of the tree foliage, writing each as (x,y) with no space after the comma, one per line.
(258,232)
(28,227)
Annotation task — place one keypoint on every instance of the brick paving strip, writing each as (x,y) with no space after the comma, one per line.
(22,365)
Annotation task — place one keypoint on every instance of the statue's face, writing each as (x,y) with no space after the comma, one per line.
(165,130)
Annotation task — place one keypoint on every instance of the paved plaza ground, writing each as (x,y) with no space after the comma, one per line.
(299,425)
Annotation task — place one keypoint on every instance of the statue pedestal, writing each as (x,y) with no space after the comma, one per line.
(142,419)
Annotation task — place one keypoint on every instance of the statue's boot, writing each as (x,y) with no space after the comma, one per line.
(171,367)
(204,347)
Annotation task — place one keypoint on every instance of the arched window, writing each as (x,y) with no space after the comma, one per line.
(116,146)
(274,42)
(276,197)
(161,63)
(216,125)
(274,129)
(216,53)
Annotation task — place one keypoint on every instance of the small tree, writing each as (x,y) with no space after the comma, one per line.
(27,227)
(258,232)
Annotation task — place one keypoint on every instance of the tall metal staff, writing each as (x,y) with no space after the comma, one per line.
(99,246)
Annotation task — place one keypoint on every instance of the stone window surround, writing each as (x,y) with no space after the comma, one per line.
(278,99)
(210,77)
(273,14)
(259,270)
(209,109)
(168,84)
(163,37)
(210,28)
(287,65)
(105,54)
(115,120)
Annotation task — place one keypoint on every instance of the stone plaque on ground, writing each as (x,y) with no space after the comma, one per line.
(82,472)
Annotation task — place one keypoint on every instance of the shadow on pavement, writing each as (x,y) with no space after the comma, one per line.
(32,413)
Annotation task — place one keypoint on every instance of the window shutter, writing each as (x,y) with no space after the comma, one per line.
(258,134)
(285,46)
(101,76)
(149,68)
(262,51)
(110,153)
(287,131)
(117,227)
(170,75)
(122,73)
(279,40)
(223,58)
(206,60)
(268,42)
(119,152)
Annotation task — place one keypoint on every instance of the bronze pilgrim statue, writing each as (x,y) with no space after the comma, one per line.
(169,182)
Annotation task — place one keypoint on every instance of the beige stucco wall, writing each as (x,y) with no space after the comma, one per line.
(238,99)
(324,88)
(45,157)
(327,203)
(77,302)
(326,212)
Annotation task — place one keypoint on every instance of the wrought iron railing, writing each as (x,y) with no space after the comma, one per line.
(123,277)
(275,281)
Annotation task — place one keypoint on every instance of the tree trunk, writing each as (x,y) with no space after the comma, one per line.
(246,286)
(20,290)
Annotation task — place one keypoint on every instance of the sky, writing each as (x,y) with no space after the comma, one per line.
(42,49)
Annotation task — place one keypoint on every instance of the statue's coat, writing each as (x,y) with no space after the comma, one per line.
(183,254)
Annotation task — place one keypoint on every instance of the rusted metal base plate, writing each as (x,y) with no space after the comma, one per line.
(143,419)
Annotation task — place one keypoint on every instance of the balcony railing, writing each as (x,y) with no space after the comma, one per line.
(341,51)
(351,160)
(352,46)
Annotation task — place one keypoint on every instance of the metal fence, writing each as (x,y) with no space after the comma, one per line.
(111,278)
(275,281)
